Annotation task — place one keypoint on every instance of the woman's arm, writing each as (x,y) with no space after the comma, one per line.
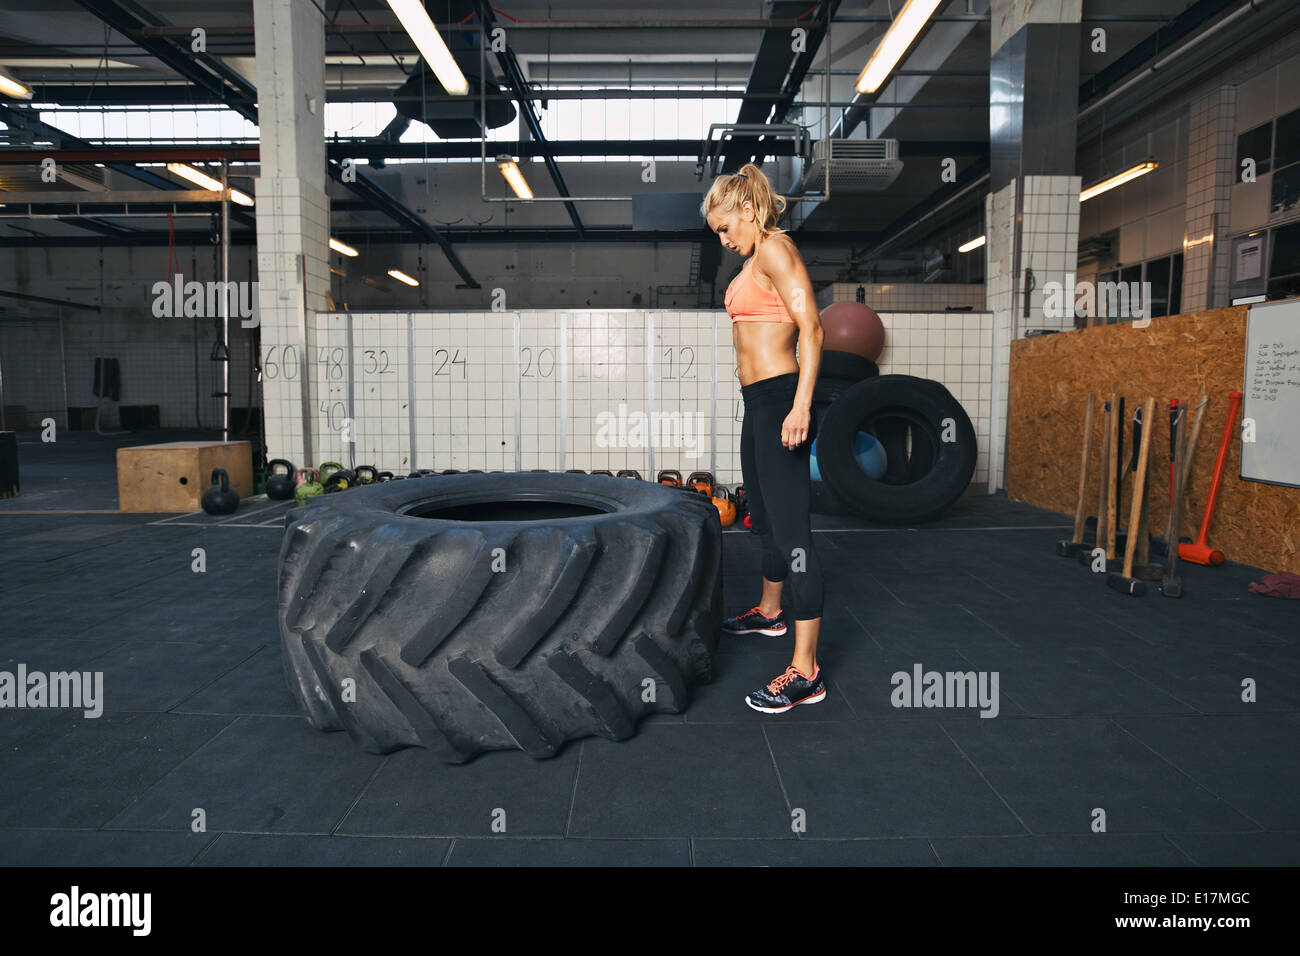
(781,263)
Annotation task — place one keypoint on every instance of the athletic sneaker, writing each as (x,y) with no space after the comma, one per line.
(789,691)
(753,622)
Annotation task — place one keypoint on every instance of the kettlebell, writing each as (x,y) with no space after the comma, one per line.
(219,499)
(629,473)
(328,468)
(384,476)
(602,471)
(340,480)
(742,502)
(670,476)
(726,507)
(366,474)
(701,481)
(279,484)
(309,486)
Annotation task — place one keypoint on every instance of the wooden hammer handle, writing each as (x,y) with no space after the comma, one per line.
(1081,508)
(1139,487)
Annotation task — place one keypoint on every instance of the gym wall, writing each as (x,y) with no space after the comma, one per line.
(1178,356)
(528,389)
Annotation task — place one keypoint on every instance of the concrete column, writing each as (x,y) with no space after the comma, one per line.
(293,216)
(1032,212)
(1211,172)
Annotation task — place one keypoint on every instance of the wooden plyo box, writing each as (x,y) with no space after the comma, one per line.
(171,477)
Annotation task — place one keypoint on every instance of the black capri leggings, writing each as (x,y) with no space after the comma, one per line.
(776,487)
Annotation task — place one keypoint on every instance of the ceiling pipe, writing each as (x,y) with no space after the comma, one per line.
(1177,53)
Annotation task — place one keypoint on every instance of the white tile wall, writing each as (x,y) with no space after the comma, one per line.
(906,296)
(1210,174)
(577,371)
(1049,245)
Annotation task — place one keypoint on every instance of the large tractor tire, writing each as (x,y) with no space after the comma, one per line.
(838,372)
(927,436)
(474,612)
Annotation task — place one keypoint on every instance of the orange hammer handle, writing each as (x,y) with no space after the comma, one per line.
(1234,404)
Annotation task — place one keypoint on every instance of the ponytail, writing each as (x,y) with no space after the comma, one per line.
(731,192)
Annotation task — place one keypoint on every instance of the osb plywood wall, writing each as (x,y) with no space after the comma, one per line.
(1176,357)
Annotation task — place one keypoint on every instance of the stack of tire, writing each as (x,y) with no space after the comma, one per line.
(927,437)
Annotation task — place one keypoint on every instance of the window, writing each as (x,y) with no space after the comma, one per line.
(1158,272)
(1288,140)
(1284,263)
(1257,144)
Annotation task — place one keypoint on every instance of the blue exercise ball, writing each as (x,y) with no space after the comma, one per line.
(869,454)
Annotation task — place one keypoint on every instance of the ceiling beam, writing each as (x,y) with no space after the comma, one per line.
(777,75)
(211,75)
(496,236)
(444,149)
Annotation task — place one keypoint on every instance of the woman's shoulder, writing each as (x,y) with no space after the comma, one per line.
(776,254)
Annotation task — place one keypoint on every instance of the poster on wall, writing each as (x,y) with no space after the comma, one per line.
(1270,446)
(1250,256)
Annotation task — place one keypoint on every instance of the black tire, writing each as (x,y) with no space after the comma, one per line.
(914,488)
(839,371)
(447,654)
(821,499)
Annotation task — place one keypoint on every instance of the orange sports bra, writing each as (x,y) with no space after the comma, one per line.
(747,301)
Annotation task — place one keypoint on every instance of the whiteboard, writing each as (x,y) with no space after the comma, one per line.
(1271,393)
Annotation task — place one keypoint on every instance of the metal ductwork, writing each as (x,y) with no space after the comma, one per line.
(855,166)
(451,120)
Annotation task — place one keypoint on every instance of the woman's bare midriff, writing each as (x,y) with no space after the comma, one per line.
(764,349)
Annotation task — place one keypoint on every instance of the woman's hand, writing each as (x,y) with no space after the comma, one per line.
(794,430)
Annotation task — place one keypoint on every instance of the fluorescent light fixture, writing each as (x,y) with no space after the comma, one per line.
(12,88)
(1249,299)
(909,22)
(1119,179)
(973,244)
(510,170)
(415,21)
(401,276)
(342,247)
(200,178)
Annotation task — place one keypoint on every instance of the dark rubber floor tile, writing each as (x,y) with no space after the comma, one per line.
(84,848)
(1054,773)
(884,778)
(261,773)
(514,851)
(680,781)
(1092,849)
(284,849)
(413,794)
(806,852)
(1251,762)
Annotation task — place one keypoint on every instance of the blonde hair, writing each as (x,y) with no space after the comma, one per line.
(731,191)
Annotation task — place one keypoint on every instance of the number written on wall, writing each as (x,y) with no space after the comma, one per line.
(445,361)
(540,367)
(682,363)
(332,362)
(377,362)
(335,413)
(280,362)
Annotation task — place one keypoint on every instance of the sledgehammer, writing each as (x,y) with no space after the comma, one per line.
(1199,552)
(1124,581)
(1172,585)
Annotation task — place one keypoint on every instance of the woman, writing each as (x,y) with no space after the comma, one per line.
(772,308)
